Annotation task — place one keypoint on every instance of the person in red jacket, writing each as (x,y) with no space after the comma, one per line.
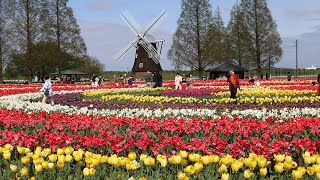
(318,80)
(233,84)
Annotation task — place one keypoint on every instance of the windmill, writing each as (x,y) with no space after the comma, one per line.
(148,49)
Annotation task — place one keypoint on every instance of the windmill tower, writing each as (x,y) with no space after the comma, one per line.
(148,49)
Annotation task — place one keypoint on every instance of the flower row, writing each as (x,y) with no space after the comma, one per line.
(45,163)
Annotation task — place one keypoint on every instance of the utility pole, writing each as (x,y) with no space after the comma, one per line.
(296,58)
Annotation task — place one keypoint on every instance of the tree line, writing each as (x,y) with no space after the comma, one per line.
(201,40)
(38,37)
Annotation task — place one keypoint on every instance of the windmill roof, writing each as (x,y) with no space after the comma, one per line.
(226,67)
(69,72)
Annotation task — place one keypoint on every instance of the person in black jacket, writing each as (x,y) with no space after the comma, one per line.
(157,80)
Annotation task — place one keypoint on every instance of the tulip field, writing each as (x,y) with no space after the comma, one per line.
(133,133)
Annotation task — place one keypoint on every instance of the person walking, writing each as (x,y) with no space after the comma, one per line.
(178,81)
(47,90)
(189,81)
(157,80)
(233,85)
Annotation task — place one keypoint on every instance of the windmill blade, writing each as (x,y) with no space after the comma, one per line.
(125,50)
(155,23)
(135,27)
(150,50)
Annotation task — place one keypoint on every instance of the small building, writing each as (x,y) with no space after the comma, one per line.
(221,70)
(69,76)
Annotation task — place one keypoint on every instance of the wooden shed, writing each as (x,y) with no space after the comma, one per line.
(221,70)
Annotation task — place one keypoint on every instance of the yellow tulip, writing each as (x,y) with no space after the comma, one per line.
(205,160)
(189,170)
(38,168)
(13,167)
(279,158)
(263,172)
(8,147)
(149,161)
(198,167)
(194,157)
(318,176)
(183,154)
(69,158)
(223,169)
(6,155)
(236,165)
(24,171)
(289,165)
(225,176)
(61,158)
(184,162)
(316,168)
(214,158)
(182,176)
(104,159)
(45,164)
(142,178)
(262,161)
(143,157)
(308,160)
(78,156)
(21,150)
(227,160)
(68,150)
(310,171)
(86,172)
(60,164)
(51,165)
(60,151)
(25,160)
(53,157)
(92,171)
(132,156)
(297,174)
(247,174)
(279,168)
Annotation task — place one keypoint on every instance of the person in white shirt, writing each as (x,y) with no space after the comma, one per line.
(177,82)
(47,90)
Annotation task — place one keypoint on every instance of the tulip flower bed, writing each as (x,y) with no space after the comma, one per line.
(120,132)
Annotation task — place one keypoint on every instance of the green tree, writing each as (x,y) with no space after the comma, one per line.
(5,35)
(67,33)
(262,33)
(239,38)
(189,46)
(26,34)
(218,39)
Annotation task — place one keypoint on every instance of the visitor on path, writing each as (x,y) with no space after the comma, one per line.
(148,79)
(318,80)
(47,90)
(233,85)
(177,82)
(157,80)
(189,81)
(289,76)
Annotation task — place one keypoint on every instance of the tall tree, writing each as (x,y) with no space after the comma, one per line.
(262,29)
(26,33)
(218,39)
(239,38)
(67,33)
(190,39)
(5,32)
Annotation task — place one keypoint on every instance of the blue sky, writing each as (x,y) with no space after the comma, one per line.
(106,33)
